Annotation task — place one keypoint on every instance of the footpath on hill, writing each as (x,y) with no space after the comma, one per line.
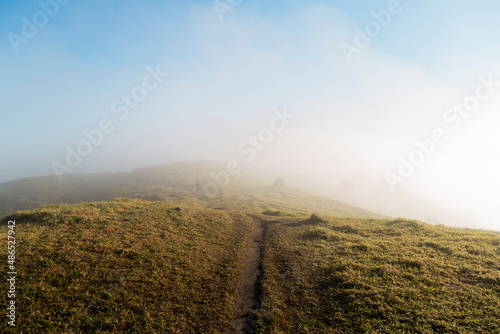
(249,286)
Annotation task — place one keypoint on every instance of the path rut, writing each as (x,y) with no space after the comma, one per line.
(249,286)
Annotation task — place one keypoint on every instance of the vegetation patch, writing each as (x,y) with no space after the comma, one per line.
(127,266)
(416,279)
(272,213)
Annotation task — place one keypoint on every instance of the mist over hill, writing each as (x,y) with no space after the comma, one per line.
(172,182)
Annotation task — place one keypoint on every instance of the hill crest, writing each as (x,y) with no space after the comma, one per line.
(174,182)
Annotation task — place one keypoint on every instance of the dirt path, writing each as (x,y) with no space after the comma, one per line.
(249,286)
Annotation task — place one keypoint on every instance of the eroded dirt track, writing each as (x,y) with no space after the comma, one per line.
(249,288)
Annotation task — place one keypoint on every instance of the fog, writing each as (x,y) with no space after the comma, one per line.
(271,87)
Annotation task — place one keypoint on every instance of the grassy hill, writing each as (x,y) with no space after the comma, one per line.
(174,182)
(343,275)
(138,266)
(126,266)
(156,267)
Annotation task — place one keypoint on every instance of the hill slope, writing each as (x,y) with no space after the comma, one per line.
(173,182)
(306,264)
(343,275)
(133,266)
(156,267)
(127,266)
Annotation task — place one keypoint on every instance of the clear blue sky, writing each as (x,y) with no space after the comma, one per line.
(225,76)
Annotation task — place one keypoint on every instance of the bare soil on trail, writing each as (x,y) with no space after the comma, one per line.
(249,288)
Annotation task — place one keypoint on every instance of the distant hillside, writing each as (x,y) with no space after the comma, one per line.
(175,182)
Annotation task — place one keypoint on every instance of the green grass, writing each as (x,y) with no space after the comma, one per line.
(127,266)
(343,275)
(135,266)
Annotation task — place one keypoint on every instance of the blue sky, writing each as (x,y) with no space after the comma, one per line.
(226,76)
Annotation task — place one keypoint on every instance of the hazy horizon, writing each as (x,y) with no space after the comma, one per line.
(389,105)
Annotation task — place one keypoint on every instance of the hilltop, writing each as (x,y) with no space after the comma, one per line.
(173,182)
